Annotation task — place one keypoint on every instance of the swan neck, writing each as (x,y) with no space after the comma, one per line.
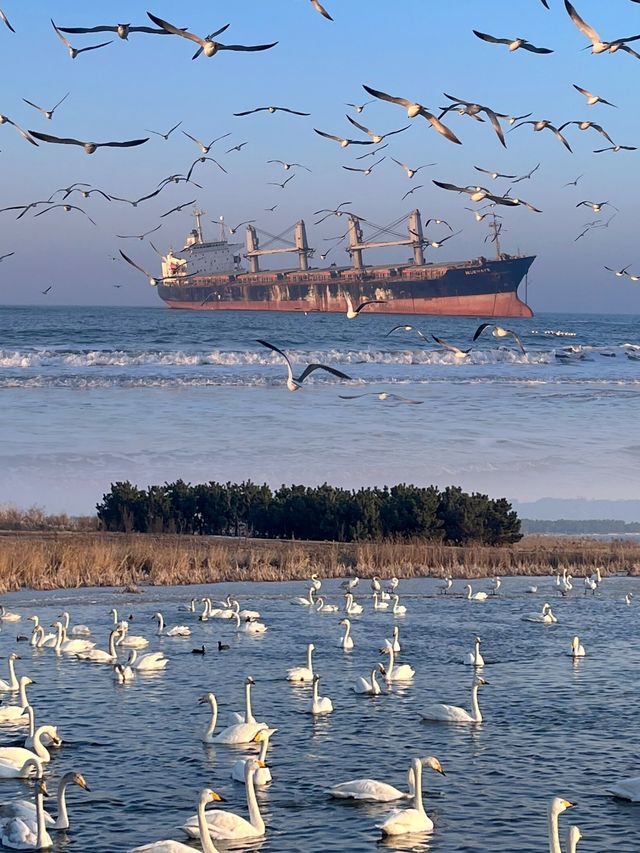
(41,833)
(347,632)
(214,715)
(62,821)
(59,637)
(248,717)
(236,616)
(23,694)
(316,688)
(32,720)
(417,791)
(38,747)
(112,644)
(309,659)
(255,818)
(263,750)
(66,620)
(475,707)
(203,827)
(13,681)
(392,660)
(554,836)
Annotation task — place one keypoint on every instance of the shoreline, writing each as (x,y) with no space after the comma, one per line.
(68,560)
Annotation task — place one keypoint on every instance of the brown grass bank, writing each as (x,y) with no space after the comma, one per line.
(50,560)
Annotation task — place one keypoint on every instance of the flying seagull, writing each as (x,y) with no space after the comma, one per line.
(573,183)
(377,137)
(458,353)
(47,113)
(8,255)
(209,47)
(480,216)
(153,281)
(23,133)
(138,236)
(295,383)
(137,201)
(498,332)
(287,166)
(616,148)
(585,125)
(320,8)
(240,224)
(494,175)
(67,208)
(46,290)
(475,193)
(527,176)
(373,153)
(383,396)
(204,160)
(342,140)
(619,273)
(121,30)
(178,208)
(352,312)
(272,110)
(409,171)
(406,329)
(437,244)
(596,206)
(545,124)
(597,44)
(6,20)
(591,98)
(366,171)
(166,135)
(283,184)
(514,44)
(89,147)
(411,191)
(73,52)
(359,107)
(236,147)
(205,148)
(414,109)
(471,109)
(438,222)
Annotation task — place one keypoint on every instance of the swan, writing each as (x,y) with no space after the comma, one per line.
(377,604)
(398,609)
(577,649)
(48,736)
(8,770)
(18,834)
(263,774)
(8,616)
(249,627)
(123,673)
(497,583)
(131,641)
(176,631)
(444,588)
(413,820)
(11,686)
(16,713)
(99,655)
(367,688)
(546,616)
(627,789)
(393,584)
(245,614)
(70,647)
(247,717)
(566,585)
(319,705)
(77,630)
(403,672)
(42,640)
(302,673)
(395,642)
(151,662)
(191,607)
(375,584)
(315,580)
(532,589)
(26,810)
(573,837)
(628,597)
(351,606)
(346,642)
(227,826)
(240,732)
(350,583)
(590,584)
(17,755)
(451,713)
(380,792)
(206,796)
(209,699)
(305,602)
(556,807)
(474,658)
(206,610)
(475,596)
(326,608)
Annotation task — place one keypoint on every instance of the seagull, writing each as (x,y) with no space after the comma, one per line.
(596,206)
(359,107)
(585,125)
(438,222)
(383,396)
(514,44)
(545,124)
(616,148)
(24,207)
(138,236)
(472,109)
(437,244)
(366,171)
(597,45)
(47,113)
(458,353)
(406,329)
(154,282)
(479,216)
(475,193)
(499,332)
(271,209)
(209,47)
(494,175)
(409,171)
(23,133)
(246,222)
(86,193)
(8,255)
(72,50)
(178,208)
(89,147)
(573,183)
(67,208)
(352,312)
(204,160)
(619,273)
(236,147)
(377,137)
(295,383)
(373,153)
(591,98)
(272,110)
(205,148)
(342,140)
(414,109)
(410,192)
(527,176)
(287,166)
(283,184)
(137,201)
(6,20)
(121,30)
(46,290)
(508,201)
(320,8)
(166,135)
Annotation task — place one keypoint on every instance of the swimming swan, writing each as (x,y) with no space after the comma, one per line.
(325,608)
(176,631)
(398,609)
(378,604)
(451,713)
(305,602)
(17,713)
(242,732)
(8,770)
(413,820)
(303,673)
(11,686)
(395,642)
(26,810)
(99,655)
(206,796)
(367,688)
(371,790)
(474,658)
(8,616)
(577,649)
(263,774)
(319,705)
(475,596)
(18,834)
(70,647)
(573,836)
(77,630)
(346,642)
(17,755)
(546,616)
(402,672)
(351,606)
(556,807)
(150,662)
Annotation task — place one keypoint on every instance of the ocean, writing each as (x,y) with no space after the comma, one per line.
(94,395)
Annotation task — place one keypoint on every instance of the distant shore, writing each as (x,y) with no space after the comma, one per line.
(52,560)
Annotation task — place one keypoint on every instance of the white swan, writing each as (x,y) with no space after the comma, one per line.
(475,596)
(451,713)
(8,616)
(208,733)
(413,820)
(573,837)
(398,609)
(263,774)
(18,834)
(302,673)
(206,796)
(17,713)
(395,642)
(49,735)
(628,597)
(546,616)
(123,673)
(402,672)
(245,614)
(70,647)
(378,604)
(371,790)
(556,807)
(249,627)
(176,631)
(351,606)
(8,770)
(346,642)
(11,686)
(305,602)
(497,583)
(315,580)
(77,630)
(577,649)
(131,641)
(367,688)
(325,608)
(227,826)
(627,789)
(247,717)
(151,662)
(444,588)
(590,584)
(26,810)
(240,732)
(42,640)
(17,755)
(99,655)
(532,589)
(350,583)
(474,658)
(319,705)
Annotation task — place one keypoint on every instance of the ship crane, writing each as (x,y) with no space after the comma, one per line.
(415,240)
(300,247)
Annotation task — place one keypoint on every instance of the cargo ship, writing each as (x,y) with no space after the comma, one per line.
(209,276)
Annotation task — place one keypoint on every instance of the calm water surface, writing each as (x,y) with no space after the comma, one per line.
(551,727)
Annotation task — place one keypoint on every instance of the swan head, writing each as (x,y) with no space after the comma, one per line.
(477,641)
(479,681)
(344,622)
(41,788)
(264,734)
(26,680)
(311,647)
(434,763)
(210,796)
(558,805)
(574,835)
(248,680)
(207,699)
(14,656)
(79,780)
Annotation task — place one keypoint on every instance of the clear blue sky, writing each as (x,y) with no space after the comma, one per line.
(414,48)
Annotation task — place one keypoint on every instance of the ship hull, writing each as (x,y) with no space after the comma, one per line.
(486,288)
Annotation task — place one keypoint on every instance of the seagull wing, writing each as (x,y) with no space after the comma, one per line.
(45,137)
(35,106)
(603,132)
(350,169)
(131,143)
(370,302)
(451,187)
(293,112)
(359,126)
(6,20)
(533,49)
(280,352)
(61,101)
(78,30)
(248,112)
(392,132)
(250,47)
(448,346)
(64,40)
(493,118)
(165,25)
(311,367)
(581,24)
(320,8)
(384,97)
(354,396)
(481,329)
(440,127)
(517,340)
(94,46)
(559,136)
(491,39)
(134,264)
(328,135)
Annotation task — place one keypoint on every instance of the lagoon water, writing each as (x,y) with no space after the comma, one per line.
(94,395)
(552,727)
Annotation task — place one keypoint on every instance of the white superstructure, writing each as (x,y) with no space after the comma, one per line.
(218,257)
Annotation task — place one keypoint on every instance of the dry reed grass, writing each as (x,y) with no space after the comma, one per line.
(50,560)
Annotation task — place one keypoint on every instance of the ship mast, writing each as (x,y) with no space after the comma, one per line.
(496,228)
(198,214)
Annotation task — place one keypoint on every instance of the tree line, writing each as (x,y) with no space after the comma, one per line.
(316,513)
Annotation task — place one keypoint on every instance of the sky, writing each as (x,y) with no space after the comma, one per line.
(413,48)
